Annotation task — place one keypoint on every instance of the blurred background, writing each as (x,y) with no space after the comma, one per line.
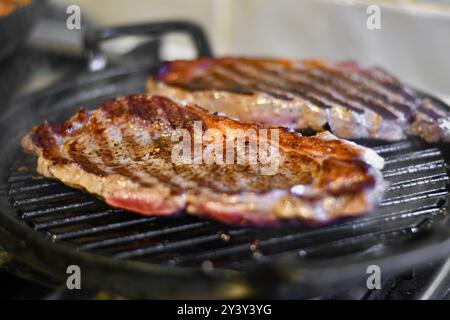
(413,39)
(38,50)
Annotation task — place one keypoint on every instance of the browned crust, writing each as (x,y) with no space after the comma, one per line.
(343,174)
(389,109)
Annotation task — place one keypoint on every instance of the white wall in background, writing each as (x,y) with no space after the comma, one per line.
(414,45)
(413,42)
(118,12)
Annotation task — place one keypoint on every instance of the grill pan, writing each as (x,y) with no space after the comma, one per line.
(51,226)
(15,27)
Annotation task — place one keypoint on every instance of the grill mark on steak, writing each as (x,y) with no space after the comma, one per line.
(248,84)
(252,84)
(297,87)
(218,181)
(113,155)
(260,84)
(109,160)
(78,156)
(372,103)
(434,106)
(429,111)
(163,175)
(334,81)
(382,77)
(372,93)
(45,140)
(306,89)
(361,77)
(265,85)
(135,152)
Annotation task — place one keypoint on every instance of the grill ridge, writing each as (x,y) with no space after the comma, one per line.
(414,199)
(103,228)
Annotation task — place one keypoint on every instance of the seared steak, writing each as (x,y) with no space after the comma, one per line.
(123,152)
(354,102)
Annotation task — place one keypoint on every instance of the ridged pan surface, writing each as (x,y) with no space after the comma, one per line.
(409,226)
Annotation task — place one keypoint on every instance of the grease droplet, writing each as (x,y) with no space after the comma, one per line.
(225,237)
(302,253)
(207,265)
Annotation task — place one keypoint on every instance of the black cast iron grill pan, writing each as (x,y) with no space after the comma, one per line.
(51,226)
(15,27)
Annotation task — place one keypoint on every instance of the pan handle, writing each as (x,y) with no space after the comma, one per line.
(97,59)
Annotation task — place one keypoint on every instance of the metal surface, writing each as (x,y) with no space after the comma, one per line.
(15,27)
(98,59)
(440,283)
(52,226)
(413,202)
